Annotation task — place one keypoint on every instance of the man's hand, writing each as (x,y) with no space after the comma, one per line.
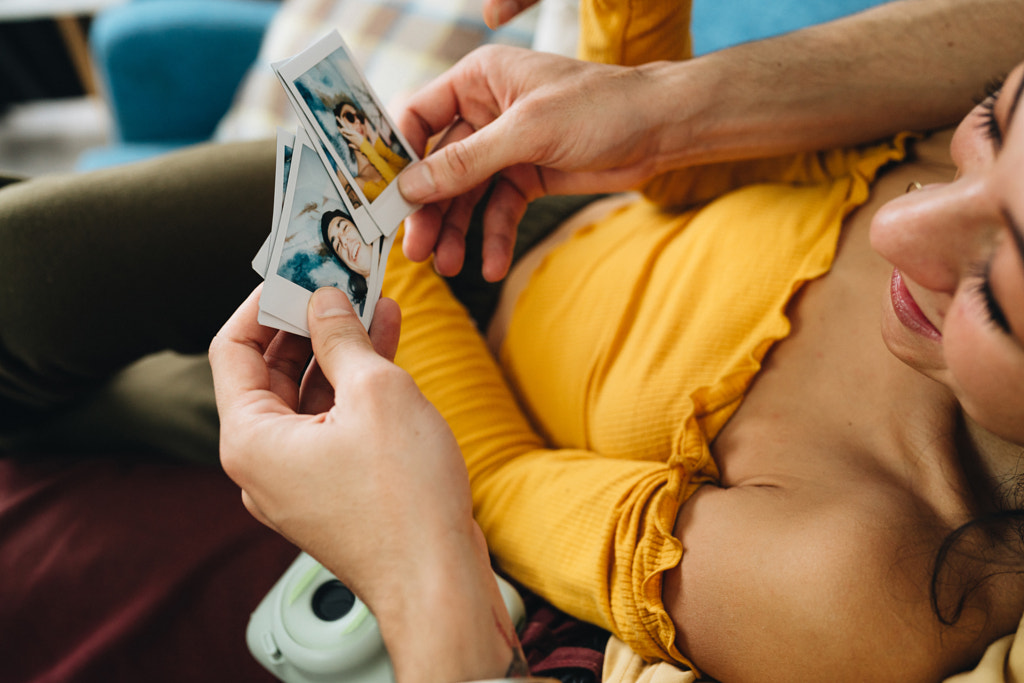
(529,123)
(346,458)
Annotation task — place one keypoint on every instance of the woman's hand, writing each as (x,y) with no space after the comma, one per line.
(532,124)
(351,135)
(348,460)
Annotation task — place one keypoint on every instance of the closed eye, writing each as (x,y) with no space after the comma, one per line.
(988,124)
(993,310)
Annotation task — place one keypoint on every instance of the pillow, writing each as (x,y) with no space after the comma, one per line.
(400,45)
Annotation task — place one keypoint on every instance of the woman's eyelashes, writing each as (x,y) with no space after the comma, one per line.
(989,124)
(983,280)
(990,305)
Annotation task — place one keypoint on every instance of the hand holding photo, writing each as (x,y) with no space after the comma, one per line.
(317,245)
(337,209)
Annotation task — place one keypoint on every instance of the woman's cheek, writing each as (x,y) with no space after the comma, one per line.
(986,374)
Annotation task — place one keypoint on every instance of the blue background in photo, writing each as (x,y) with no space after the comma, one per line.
(305,259)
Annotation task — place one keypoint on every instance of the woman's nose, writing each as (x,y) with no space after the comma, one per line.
(936,233)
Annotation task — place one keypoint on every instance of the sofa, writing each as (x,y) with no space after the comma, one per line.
(179,72)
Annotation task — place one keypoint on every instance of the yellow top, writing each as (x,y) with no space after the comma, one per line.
(387,163)
(631,346)
(628,351)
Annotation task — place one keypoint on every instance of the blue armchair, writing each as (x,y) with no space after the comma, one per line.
(169,70)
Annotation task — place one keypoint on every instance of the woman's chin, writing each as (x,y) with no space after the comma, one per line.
(913,349)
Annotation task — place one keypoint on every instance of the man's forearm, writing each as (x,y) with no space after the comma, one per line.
(909,64)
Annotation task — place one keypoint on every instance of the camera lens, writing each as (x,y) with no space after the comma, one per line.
(332,600)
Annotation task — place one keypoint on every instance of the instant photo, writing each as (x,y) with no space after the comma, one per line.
(317,245)
(360,141)
(285,143)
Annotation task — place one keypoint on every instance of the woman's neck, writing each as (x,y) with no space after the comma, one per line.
(994,465)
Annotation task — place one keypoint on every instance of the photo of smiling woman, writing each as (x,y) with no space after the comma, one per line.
(343,241)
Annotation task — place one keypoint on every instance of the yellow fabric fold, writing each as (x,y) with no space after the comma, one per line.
(634,32)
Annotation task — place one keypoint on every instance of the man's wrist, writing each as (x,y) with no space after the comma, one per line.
(449,623)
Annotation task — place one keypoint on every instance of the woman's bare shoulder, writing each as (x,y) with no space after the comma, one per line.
(832,580)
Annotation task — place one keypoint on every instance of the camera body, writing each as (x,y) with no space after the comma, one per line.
(310,628)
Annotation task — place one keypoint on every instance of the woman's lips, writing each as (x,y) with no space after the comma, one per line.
(907,311)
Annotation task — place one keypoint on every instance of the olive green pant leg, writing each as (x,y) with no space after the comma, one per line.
(112,283)
(98,272)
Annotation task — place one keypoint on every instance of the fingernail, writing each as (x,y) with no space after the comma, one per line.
(328,302)
(416,182)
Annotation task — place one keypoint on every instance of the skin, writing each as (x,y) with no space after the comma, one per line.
(942,239)
(349,245)
(353,131)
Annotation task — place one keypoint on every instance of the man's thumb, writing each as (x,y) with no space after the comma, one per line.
(335,329)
